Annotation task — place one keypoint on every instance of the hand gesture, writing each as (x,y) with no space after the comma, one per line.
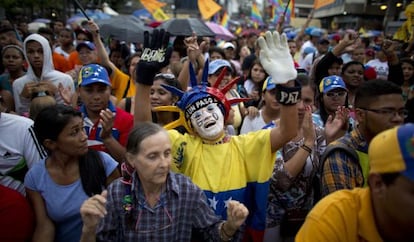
(93,210)
(93,27)
(48,86)
(107,123)
(252,112)
(336,126)
(65,93)
(155,56)
(28,89)
(308,128)
(236,215)
(193,50)
(275,57)
(388,46)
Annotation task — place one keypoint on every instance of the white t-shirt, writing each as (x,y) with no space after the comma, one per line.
(253,124)
(19,149)
(380,67)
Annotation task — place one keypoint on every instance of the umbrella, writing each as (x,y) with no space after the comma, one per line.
(220,31)
(186,27)
(42,20)
(123,27)
(35,26)
(250,31)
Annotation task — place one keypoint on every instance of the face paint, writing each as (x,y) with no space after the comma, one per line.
(208,122)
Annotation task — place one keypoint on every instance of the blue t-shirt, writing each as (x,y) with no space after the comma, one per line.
(63,202)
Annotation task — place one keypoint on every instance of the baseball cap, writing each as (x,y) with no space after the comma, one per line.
(335,37)
(309,50)
(323,41)
(86,44)
(93,73)
(268,84)
(331,82)
(392,151)
(215,65)
(316,32)
(228,45)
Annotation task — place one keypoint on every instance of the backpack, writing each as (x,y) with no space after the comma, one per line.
(317,180)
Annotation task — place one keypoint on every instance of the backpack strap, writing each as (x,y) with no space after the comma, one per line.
(317,183)
(127,88)
(128,104)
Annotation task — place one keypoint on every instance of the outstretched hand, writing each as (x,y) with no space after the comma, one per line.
(93,210)
(275,57)
(155,56)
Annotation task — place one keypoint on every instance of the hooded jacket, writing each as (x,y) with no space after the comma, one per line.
(48,74)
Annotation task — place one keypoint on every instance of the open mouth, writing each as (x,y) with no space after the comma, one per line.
(209,124)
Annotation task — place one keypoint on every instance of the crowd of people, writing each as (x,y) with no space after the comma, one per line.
(267,137)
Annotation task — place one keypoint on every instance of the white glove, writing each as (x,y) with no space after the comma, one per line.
(275,57)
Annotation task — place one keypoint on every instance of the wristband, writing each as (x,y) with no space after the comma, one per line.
(223,235)
(288,95)
(306,148)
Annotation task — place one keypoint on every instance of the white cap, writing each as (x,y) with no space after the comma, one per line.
(228,45)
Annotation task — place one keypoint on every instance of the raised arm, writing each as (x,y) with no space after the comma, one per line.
(100,48)
(155,56)
(277,61)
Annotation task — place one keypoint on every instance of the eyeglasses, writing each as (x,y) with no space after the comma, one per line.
(388,112)
(335,94)
(155,229)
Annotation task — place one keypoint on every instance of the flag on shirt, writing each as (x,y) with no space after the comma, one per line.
(255,15)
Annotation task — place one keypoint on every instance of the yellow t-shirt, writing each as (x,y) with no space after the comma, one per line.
(345,215)
(237,170)
(120,87)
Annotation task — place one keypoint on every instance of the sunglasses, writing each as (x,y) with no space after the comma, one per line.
(335,94)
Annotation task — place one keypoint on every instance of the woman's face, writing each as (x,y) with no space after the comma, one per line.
(215,56)
(65,37)
(72,140)
(353,76)
(269,97)
(13,59)
(257,73)
(160,96)
(308,97)
(153,161)
(333,99)
(244,51)
(133,66)
(408,70)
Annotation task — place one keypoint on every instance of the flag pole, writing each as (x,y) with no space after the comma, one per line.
(83,10)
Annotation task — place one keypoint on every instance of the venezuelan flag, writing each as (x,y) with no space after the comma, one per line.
(255,14)
(225,20)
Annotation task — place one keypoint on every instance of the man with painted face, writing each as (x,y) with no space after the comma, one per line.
(225,167)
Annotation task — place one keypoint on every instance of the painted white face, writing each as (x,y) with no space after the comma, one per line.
(208,122)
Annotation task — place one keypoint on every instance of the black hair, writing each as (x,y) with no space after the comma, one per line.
(348,64)
(370,90)
(218,50)
(49,123)
(44,30)
(129,59)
